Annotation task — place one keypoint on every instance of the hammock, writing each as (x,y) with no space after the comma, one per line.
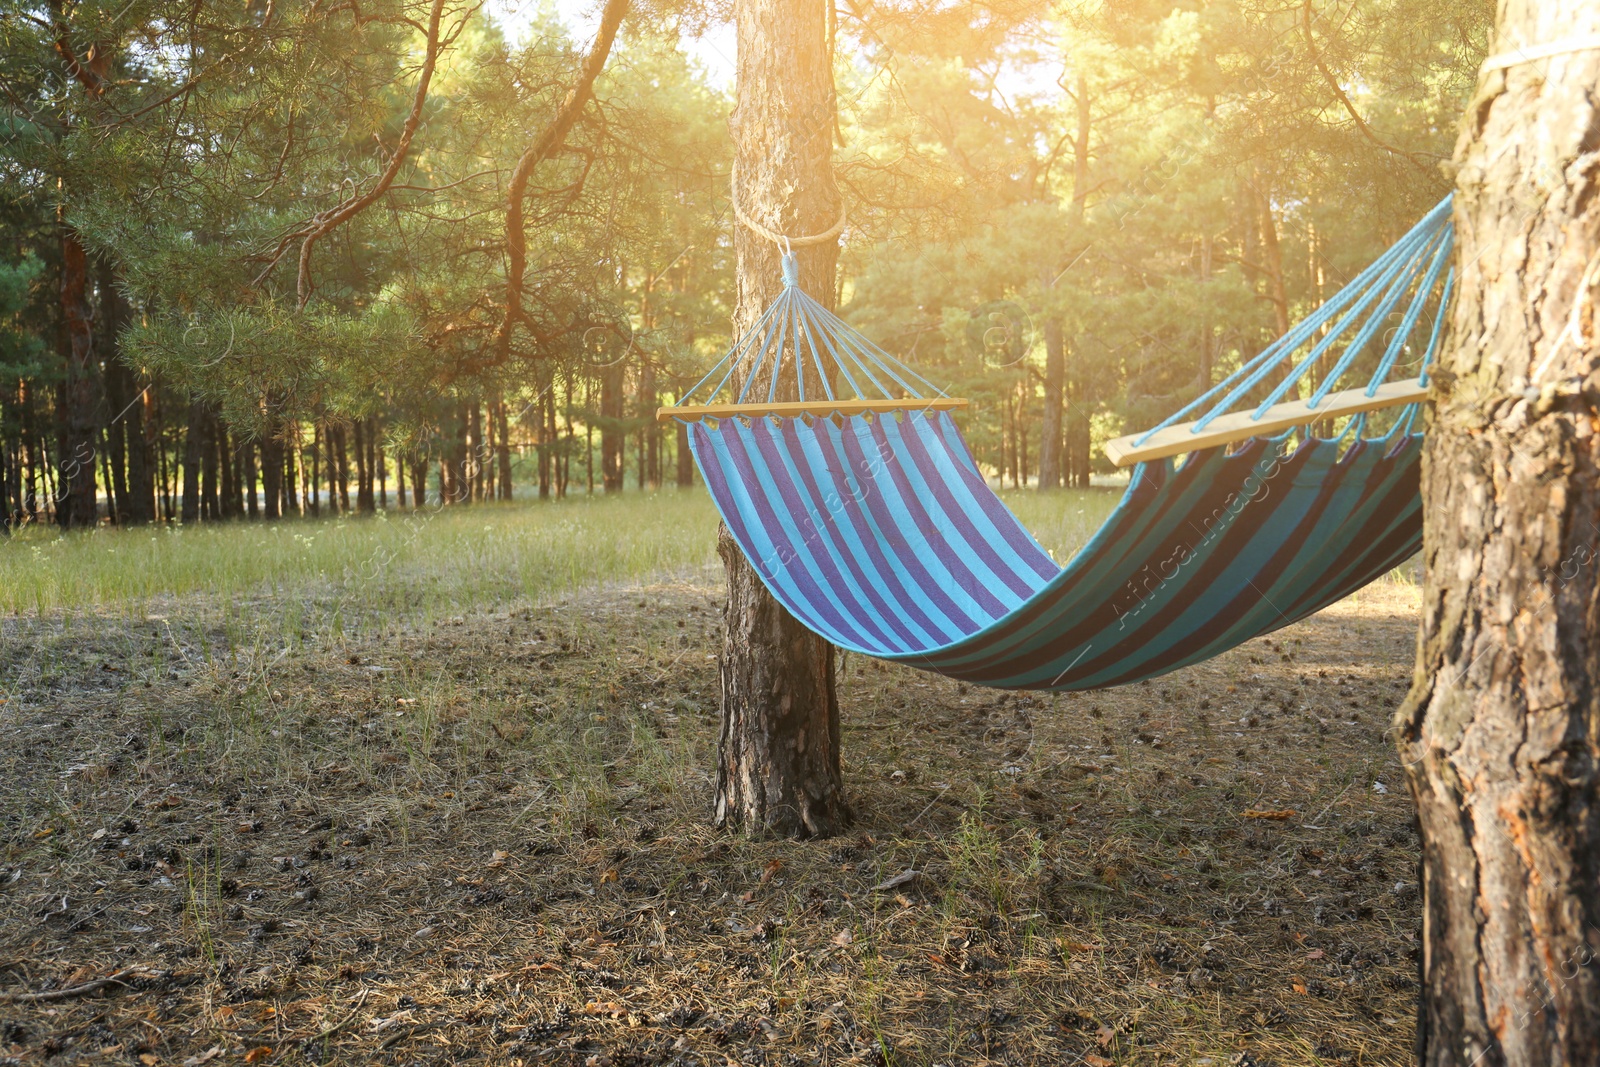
(867,517)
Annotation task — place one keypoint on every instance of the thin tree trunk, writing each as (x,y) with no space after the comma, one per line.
(80,393)
(778,755)
(1500,734)
(477,454)
(366,476)
(340,458)
(1079,402)
(210,501)
(612,439)
(419,482)
(251,502)
(193,440)
(272,451)
(1051,437)
(650,466)
(685,457)
(502,435)
(333,450)
(314,482)
(228,451)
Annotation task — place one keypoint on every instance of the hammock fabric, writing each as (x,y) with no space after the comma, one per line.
(881,534)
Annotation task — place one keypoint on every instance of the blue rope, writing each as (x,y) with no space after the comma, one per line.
(1412,265)
(1361,291)
(1438,321)
(1407,324)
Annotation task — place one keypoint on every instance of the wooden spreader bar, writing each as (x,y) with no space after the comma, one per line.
(818,408)
(1239,426)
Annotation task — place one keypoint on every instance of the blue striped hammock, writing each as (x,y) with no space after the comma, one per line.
(879,532)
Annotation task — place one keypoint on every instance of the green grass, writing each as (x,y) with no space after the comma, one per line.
(439,561)
(445,560)
(1062,522)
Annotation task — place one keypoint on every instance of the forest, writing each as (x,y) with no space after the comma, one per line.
(255,255)
(762,533)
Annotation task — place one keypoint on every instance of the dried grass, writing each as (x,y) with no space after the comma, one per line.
(483,838)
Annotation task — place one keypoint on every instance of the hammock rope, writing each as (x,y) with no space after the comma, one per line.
(875,528)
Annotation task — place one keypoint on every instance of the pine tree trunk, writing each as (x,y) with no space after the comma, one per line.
(1051,437)
(210,508)
(685,457)
(80,392)
(478,455)
(419,483)
(293,470)
(252,503)
(366,462)
(193,439)
(612,440)
(1501,732)
(778,758)
(340,459)
(502,449)
(272,456)
(314,480)
(651,466)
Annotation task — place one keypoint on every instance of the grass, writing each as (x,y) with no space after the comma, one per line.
(467,821)
(437,560)
(431,562)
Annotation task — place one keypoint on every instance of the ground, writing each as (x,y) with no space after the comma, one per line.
(481,836)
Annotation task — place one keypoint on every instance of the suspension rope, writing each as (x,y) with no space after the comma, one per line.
(782,240)
(1533,53)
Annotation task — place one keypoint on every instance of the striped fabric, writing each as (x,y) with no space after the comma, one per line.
(881,535)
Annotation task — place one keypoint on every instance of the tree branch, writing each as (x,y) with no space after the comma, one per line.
(325,222)
(545,146)
(1350,108)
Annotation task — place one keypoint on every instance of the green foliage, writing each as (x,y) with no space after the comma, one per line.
(21,353)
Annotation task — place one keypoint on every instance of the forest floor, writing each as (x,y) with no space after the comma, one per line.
(482,837)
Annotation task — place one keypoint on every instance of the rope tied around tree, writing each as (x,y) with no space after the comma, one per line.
(784,241)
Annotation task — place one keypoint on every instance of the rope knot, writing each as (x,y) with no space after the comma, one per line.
(791,269)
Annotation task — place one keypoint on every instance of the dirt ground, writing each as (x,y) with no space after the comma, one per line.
(485,841)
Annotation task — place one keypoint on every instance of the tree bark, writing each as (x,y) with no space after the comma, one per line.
(502,448)
(1050,433)
(76,503)
(1501,731)
(778,758)
(272,457)
(680,443)
(612,440)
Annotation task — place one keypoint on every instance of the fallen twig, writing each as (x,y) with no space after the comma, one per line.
(92,986)
(348,1019)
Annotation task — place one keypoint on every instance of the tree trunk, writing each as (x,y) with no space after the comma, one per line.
(210,500)
(272,456)
(685,457)
(193,438)
(76,503)
(1501,731)
(651,466)
(293,469)
(612,440)
(478,455)
(340,458)
(419,482)
(502,449)
(314,480)
(252,506)
(1050,433)
(366,464)
(778,757)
